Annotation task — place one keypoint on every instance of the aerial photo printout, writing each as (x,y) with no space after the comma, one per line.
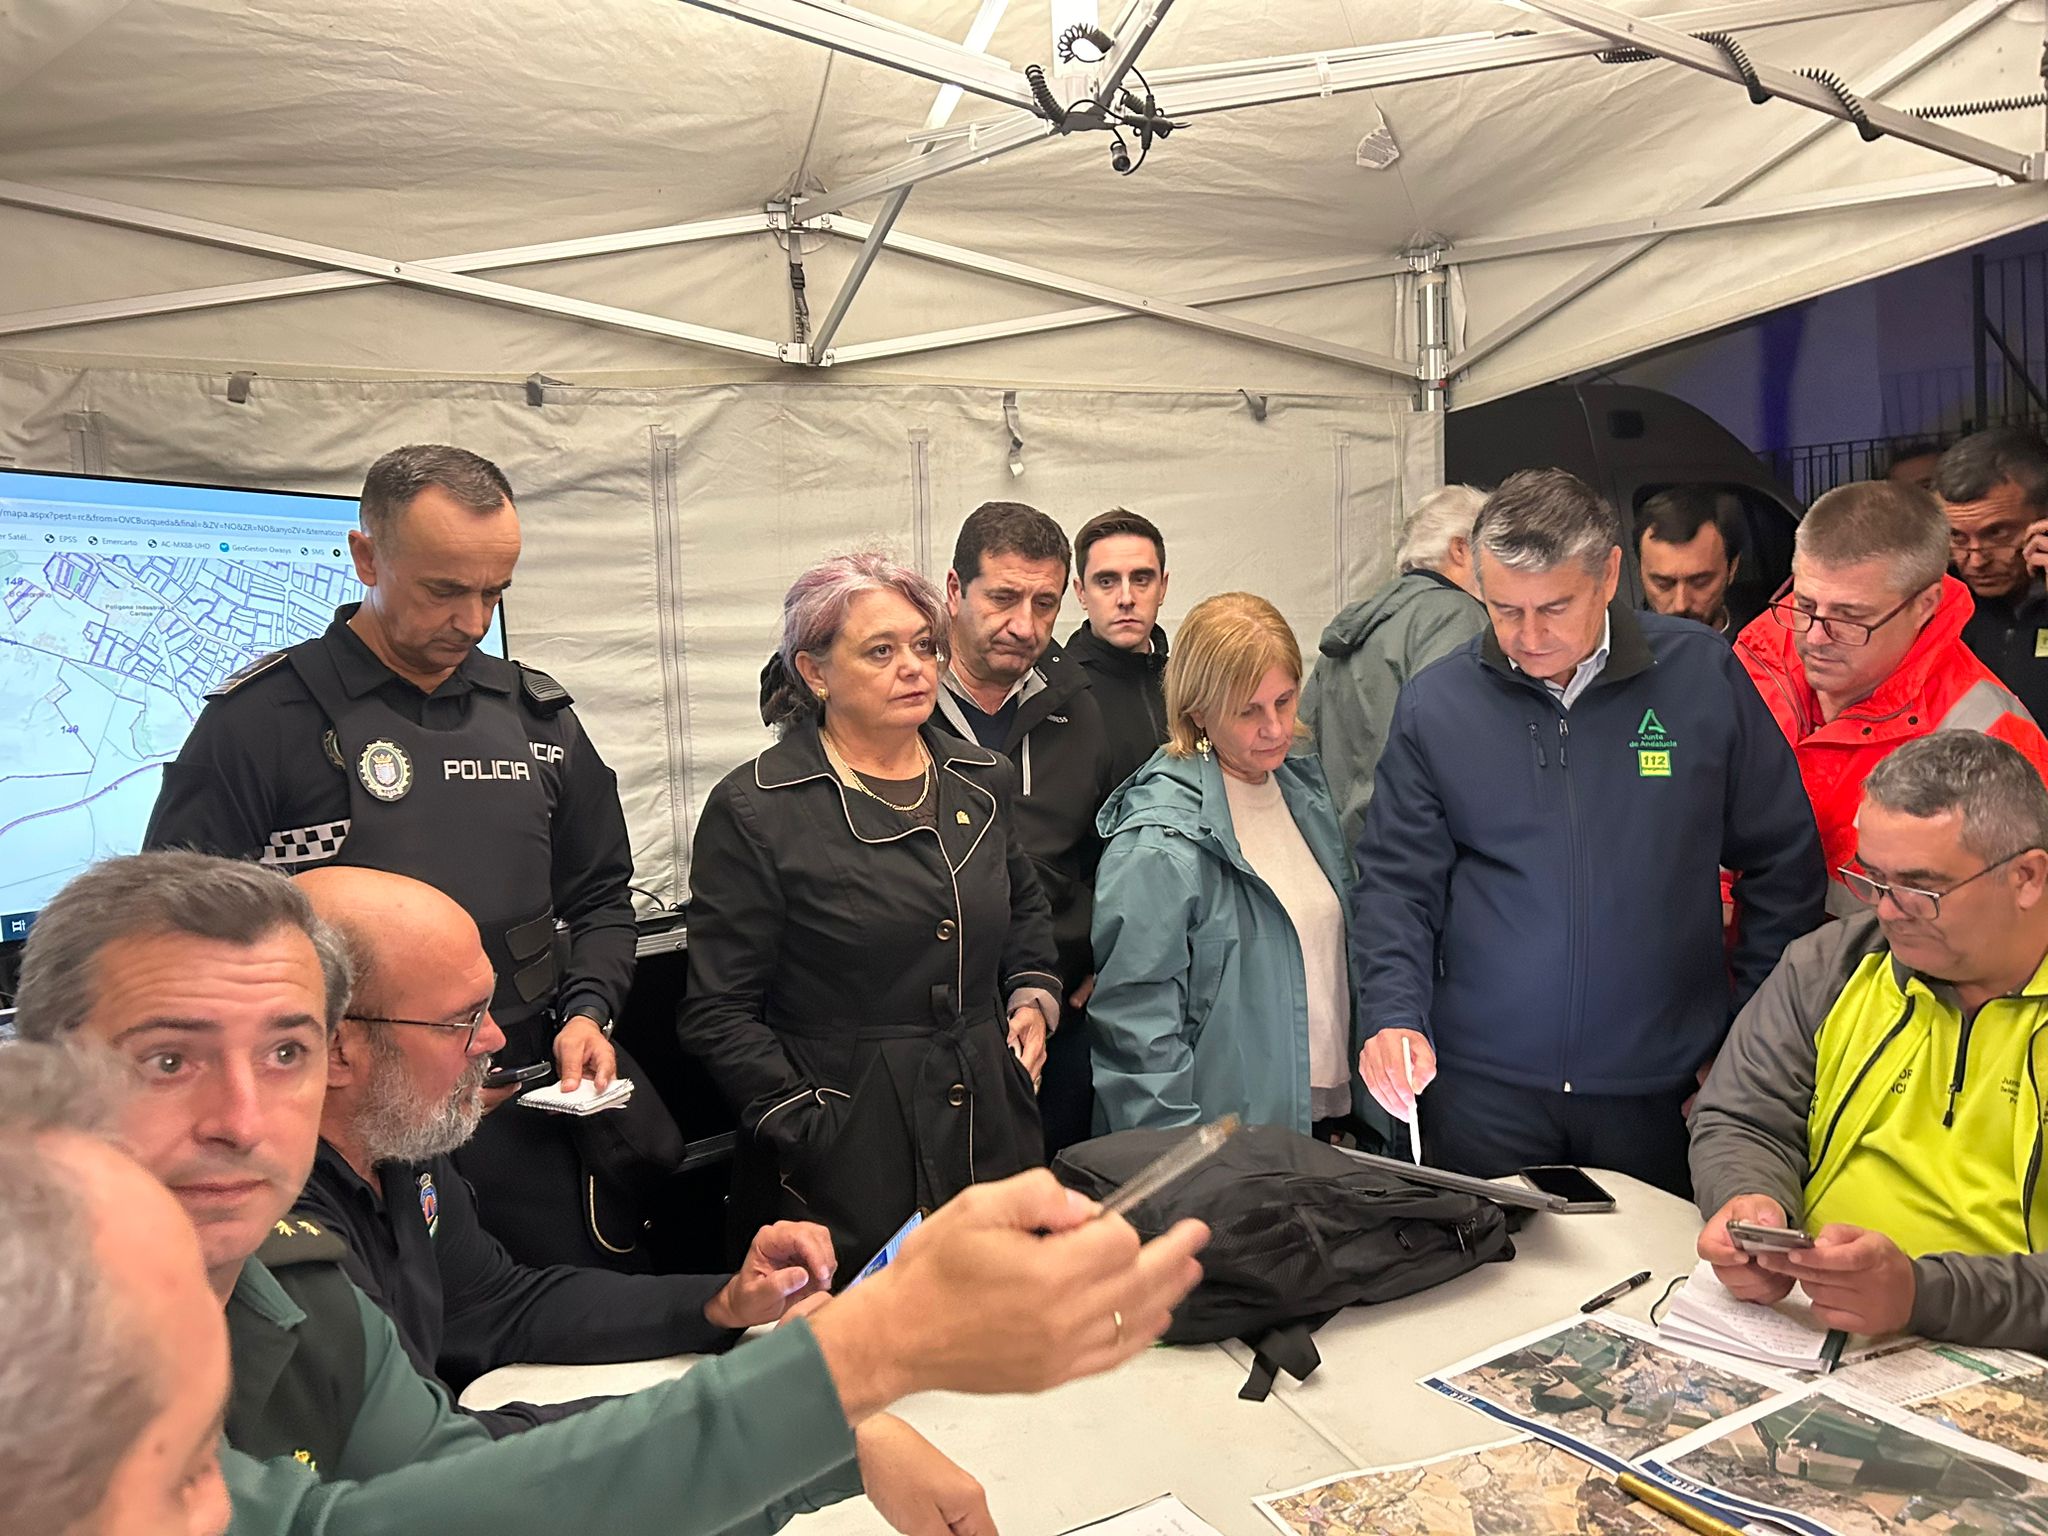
(1829,1466)
(1605,1386)
(1518,1486)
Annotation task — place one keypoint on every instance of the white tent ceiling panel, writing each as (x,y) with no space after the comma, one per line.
(392,131)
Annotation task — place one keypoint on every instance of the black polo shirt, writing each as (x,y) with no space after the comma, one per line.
(460,1303)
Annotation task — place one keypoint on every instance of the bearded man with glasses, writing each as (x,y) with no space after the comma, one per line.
(1862,651)
(406,1088)
(1884,1088)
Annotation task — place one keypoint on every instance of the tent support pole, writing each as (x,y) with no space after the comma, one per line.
(1006,135)
(412,274)
(979,32)
(863,263)
(1681,48)
(1133,31)
(221,295)
(1198,89)
(1127,301)
(1900,67)
(1097,314)
(1432,329)
(1659,227)
(879,41)
(1907,189)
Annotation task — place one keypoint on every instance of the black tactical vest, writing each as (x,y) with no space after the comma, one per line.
(469,813)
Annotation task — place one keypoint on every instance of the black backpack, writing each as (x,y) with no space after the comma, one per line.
(1300,1231)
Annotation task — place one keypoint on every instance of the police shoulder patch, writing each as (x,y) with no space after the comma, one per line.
(295,1240)
(234,680)
(543,694)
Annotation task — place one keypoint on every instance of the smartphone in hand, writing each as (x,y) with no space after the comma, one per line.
(1756,1237)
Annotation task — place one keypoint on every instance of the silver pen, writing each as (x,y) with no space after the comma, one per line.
(1169,1166)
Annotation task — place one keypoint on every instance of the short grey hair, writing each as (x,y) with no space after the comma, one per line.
(75,1387)
(397,478)
(1885,520)
(147,895)
(2003,803)
(1541,518)
(1446,513)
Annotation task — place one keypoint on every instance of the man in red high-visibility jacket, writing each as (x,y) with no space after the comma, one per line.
(1862,651)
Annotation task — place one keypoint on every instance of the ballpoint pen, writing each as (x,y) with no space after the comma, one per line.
(1617,1290)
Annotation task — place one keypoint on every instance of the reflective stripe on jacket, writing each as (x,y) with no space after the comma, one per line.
(1939,685)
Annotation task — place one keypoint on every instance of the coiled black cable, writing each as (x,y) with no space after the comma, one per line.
(1981,108)
(1049,106)
(1081,32)
(1852,104)
(1725,41)
(1759,93)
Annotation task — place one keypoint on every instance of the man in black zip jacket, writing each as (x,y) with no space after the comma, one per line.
(1010,688)
(1120,579)
(1536,928)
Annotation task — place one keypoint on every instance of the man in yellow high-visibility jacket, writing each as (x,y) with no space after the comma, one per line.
(1884,1087)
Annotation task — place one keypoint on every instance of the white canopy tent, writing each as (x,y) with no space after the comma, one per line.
(729,284)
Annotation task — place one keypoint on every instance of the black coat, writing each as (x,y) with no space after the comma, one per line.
(848,975)
(1061,750)
(1130,688)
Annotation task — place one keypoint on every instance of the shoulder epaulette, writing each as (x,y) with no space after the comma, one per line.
(543,693)
(256,668)
(295,1240)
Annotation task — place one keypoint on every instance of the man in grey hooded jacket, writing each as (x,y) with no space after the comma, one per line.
(1374,646)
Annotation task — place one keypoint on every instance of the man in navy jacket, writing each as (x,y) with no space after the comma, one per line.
(1537,919)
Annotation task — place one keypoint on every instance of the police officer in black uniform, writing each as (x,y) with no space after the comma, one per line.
(391,742)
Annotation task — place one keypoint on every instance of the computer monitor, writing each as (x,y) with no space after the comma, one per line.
(121,603)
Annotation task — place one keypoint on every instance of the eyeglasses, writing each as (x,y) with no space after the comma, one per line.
(1960,547)
(1918,905)
(1842,631)
(469,1023)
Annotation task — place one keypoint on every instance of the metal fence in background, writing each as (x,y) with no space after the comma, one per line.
(2007,383)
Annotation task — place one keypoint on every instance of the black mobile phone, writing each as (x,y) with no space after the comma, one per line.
(1578,1189)
(517,1077)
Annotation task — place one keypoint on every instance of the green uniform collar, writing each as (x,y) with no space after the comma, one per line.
(257,1289)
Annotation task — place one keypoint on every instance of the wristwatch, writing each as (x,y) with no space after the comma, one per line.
(601,1019)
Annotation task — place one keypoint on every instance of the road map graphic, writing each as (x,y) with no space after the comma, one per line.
(105,660)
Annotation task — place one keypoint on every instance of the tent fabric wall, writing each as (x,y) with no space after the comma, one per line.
(662,525)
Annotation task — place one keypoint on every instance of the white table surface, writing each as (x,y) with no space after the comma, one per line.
(1171,1420)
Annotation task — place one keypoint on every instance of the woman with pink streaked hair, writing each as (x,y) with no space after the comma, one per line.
(871,959)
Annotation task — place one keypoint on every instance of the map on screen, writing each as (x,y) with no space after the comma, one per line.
(121,603)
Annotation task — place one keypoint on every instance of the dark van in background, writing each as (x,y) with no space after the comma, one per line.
(1628,444)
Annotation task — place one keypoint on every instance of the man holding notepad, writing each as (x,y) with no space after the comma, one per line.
(1883,1091)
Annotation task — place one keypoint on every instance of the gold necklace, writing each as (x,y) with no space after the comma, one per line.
(853,780)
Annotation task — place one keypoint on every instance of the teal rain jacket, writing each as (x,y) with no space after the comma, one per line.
(1201,1002)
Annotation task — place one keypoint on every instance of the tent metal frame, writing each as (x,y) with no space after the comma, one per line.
(942,149)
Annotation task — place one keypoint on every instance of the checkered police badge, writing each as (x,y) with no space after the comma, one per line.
(386,770)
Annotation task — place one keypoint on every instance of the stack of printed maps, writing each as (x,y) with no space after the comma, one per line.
(1932,1439)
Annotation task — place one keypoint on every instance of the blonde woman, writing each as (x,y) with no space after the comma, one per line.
(1222,981)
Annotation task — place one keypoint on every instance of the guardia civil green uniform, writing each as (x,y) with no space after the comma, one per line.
(331,1432)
